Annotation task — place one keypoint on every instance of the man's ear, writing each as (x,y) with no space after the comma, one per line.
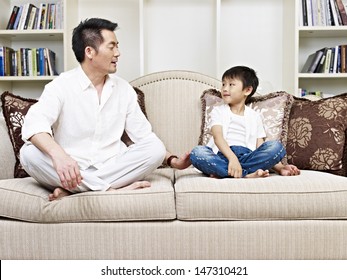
(89,52)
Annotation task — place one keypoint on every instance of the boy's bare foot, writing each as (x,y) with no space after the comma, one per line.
(260,173)
(289,170)
(58,193)
(133,186)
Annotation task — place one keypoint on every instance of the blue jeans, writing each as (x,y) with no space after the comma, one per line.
(264,157)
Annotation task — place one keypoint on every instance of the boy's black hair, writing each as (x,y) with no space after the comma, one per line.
(246,75)
(88,33)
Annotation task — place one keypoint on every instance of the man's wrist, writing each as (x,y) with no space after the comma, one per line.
(169,160)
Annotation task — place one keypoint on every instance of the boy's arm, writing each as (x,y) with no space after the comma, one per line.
(234,167)
(260,141)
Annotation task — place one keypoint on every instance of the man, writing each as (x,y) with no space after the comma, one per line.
(73,134)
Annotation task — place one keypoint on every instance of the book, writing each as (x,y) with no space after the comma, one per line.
(12,18)
(43,16)
(334,12)
(309,12)
(304,12)
(19,14)
(343,58)
(28,16)
(312,62)
(327,61)
(31,18)
(342,11)
(320,67)
(23,16)
(2,61)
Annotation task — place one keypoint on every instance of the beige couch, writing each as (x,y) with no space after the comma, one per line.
(184,215)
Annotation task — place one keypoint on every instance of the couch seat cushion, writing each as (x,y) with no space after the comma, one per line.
(23,199)
(311,195)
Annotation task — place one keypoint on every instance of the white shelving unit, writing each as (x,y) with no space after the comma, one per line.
(57,40)
(206,36)
(309,39)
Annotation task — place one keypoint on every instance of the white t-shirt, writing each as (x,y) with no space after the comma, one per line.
(254,129)
(236,133)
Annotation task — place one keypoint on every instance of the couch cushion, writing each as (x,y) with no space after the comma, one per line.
(7,158)
(311,195)
(317,134)
(23,199)
(274,109)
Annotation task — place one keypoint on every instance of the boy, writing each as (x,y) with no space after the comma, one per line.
(237,148)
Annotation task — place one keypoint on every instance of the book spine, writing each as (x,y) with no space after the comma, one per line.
(2,66)
(15,26)
(342,12)
(12,18)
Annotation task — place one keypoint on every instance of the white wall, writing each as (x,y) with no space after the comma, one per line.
(181,34)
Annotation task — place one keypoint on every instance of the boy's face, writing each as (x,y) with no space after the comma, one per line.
(233,92)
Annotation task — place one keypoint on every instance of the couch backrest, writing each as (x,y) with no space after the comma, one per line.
(7,158)
(173,106)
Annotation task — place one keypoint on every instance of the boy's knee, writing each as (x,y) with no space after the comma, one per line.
(276,147)
(198,151)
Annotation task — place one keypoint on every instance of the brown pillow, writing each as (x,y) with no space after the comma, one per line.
(317,134)
(14,109)
(273,107)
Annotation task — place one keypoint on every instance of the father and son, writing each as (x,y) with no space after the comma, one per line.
(73,133)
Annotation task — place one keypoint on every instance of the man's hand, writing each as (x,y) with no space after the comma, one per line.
(182,162)
(65,166)
(67,170)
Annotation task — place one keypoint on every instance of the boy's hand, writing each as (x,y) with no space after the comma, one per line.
(234,168)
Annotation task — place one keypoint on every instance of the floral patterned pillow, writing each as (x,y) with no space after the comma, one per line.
(317,134)
(273,107)
(14,109)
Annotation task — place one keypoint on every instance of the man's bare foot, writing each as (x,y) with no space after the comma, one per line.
(58,193)
(133,186)
(260,173)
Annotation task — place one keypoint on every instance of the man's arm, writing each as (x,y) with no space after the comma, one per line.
(65,166)
(181,162)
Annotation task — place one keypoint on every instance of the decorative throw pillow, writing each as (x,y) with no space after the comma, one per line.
(317,134)
(14,109)
(273,107)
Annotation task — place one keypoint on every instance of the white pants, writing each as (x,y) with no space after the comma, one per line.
(138,161)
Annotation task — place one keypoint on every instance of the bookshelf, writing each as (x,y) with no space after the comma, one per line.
(57,40)
(207,36)
(309,39)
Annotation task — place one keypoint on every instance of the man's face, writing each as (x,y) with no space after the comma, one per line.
(106,58)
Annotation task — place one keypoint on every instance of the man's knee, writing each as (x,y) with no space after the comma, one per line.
(157,151)
(28,155)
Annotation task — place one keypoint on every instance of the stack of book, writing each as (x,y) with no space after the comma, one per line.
(29,16)
(27,62)
(323,12)
(327,60)
(304,92)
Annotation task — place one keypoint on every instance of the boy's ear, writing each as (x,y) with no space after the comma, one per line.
(248,90)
